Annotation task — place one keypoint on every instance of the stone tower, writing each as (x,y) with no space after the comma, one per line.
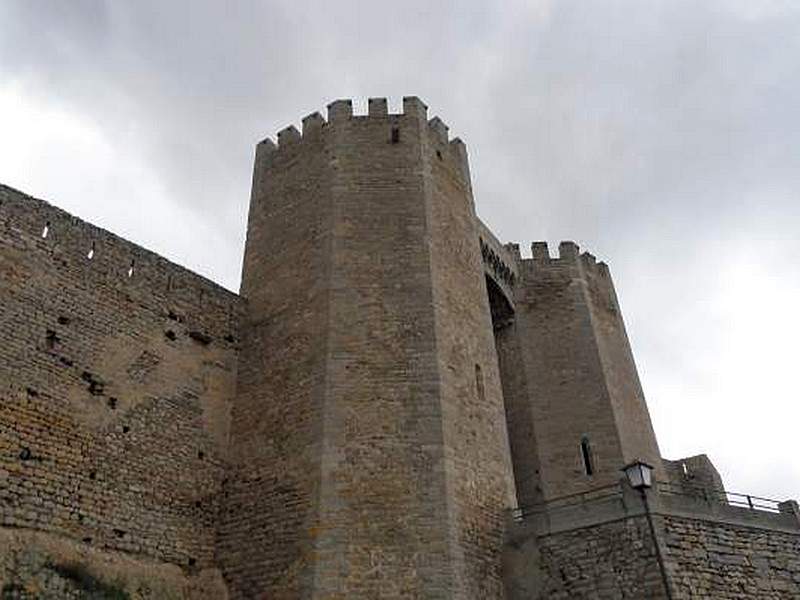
(368,436)
(576,410)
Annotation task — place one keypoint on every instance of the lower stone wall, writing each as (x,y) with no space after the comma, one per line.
(721,561)
(39,566)
(613,560)
(604,548)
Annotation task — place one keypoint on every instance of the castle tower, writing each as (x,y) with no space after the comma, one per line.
(368,440)
(576,409)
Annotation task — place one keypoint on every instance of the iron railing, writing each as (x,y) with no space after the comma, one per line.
(615,490)
(719,496)
(588,497)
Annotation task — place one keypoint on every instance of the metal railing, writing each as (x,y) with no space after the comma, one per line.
(587,497)
(615,490)
(719,496)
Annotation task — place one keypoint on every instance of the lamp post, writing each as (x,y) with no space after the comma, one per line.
(640,477)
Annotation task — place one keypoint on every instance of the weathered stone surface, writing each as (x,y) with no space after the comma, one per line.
(608,546)
(35,565)
(111,432)
(715,560)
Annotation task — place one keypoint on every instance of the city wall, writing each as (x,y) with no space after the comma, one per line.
(117,372)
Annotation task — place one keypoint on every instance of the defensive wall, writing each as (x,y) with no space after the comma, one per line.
(117,371)
(672,542)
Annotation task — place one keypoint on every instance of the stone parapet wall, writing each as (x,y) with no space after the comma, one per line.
(693,472)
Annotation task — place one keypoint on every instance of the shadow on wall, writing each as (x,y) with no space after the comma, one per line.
(40,566)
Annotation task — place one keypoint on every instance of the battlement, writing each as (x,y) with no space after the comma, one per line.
(31,225)
(568,254)
(340,114)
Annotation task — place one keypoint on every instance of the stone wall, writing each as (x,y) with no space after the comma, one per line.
(117,371)
(384,502)
(566,388)
(694,473)
(726,561)
(636,434)
(40,566)
(614,560)
(602,546)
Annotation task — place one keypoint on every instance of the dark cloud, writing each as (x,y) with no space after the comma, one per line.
(662,135)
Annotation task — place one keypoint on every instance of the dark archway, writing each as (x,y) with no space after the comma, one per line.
(499,304)
(519,419)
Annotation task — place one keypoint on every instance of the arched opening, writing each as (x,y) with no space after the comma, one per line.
(502,311)
(515,396)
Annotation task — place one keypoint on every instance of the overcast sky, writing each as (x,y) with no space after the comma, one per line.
(662,136)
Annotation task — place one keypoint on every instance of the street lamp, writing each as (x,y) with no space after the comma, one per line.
(639,474)
(640,477)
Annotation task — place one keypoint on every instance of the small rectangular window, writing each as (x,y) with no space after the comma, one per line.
(586,455)
(479,386)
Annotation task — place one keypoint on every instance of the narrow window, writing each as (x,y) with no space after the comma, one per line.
(395,135)
(90,256)
(46,230)
(479,383)
(132,268)
(586,455)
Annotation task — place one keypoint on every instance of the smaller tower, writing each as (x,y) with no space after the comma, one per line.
(576,410)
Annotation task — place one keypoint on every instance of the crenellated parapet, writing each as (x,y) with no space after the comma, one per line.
(79,251)
(570,265)
(396,128)
(569,255)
